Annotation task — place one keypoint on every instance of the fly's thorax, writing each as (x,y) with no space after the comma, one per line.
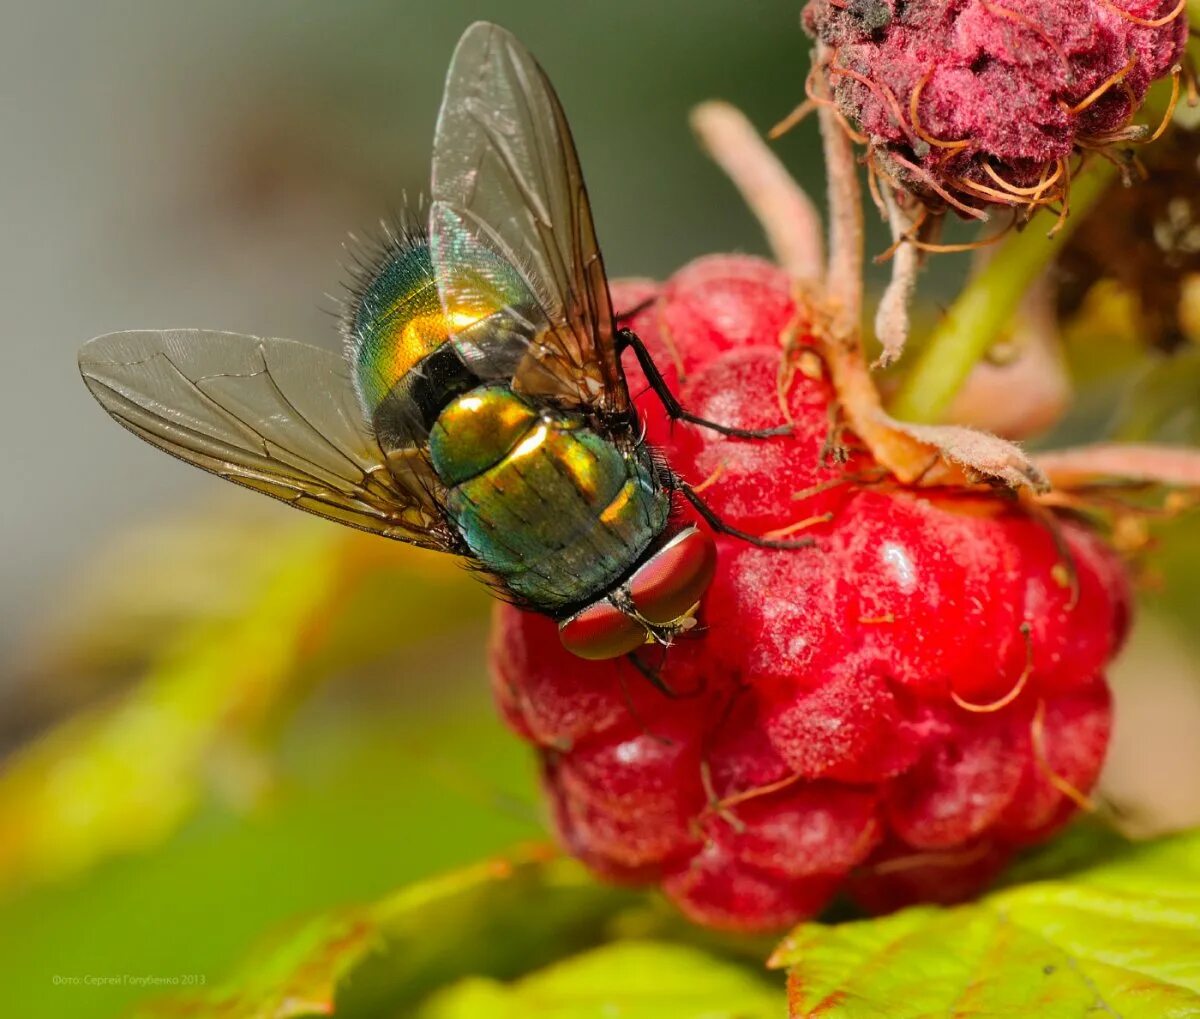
(657,602)
(478,429)
(556,510)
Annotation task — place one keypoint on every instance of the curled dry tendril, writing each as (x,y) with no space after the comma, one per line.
(1166,19)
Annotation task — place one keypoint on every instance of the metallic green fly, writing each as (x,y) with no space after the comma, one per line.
(481,408)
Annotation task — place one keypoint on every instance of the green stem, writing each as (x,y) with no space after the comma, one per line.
(985,306)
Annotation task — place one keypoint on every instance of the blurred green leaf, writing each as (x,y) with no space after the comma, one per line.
(123,776)
(1085,843)
(1163,404)
(632,979)
(370,795)
(496,918)
(1121,937)
(1171,582)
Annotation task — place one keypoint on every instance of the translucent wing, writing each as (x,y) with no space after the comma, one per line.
(508,190)
(274,415)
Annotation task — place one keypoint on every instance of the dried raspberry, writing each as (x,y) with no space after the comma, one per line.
(893,711)
(970,101)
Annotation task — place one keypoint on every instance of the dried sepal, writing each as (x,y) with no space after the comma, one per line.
(891,317)
(973,456)
(915,454)
(786,213)
(1086,466)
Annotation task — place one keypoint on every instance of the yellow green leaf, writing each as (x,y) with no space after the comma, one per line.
(624,980)
(1118,938)
(496,918)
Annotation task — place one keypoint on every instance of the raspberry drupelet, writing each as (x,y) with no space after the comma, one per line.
(890,713)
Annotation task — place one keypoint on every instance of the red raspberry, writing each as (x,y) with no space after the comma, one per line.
(891,712)
(963,97)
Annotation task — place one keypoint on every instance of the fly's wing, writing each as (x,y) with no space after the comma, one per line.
(511,229)
(274,415)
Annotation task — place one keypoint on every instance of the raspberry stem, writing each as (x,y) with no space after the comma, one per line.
(985,306)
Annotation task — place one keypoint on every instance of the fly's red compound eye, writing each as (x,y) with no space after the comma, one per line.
(601,631)
(663,590)
(674,579)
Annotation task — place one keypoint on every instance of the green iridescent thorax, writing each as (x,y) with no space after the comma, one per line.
(558,512)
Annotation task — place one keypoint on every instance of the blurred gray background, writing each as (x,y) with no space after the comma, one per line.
(179,164)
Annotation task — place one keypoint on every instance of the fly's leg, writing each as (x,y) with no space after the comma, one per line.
(656,681)
(637,309)
(627,697)
(717,524)
(626,338)
(654,678)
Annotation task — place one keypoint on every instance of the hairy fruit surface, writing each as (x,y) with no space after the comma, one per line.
(978,102)
(890,713)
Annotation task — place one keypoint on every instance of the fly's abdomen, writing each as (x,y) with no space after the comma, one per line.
(553,509)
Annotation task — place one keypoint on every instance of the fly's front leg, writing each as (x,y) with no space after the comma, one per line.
(713,519)
(637,309)
(654,677)
(626,338)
